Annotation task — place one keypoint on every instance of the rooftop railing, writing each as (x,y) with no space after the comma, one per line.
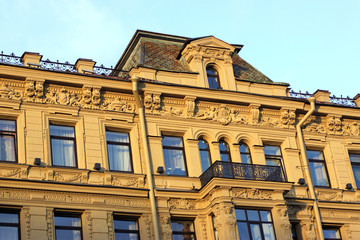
(345,101)
(243,171)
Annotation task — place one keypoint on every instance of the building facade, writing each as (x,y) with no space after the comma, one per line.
(183,139)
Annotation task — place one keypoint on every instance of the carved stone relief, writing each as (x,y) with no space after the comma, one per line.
(337,196)
(89,224)
(110,225)
(126,182)
(190,106)
(166,227)
(152,103)
(308,230)
(284,220)
(7,93)
(287,118)
(27,217)
(49,223)
(251,193)
(334,125)
(182,204)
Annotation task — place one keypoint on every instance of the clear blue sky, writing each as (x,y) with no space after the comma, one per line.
(311,44)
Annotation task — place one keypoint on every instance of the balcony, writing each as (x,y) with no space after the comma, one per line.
(243,171)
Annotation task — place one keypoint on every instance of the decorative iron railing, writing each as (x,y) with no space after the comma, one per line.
(57,66)
(10,59)
(244,171)
(345,101)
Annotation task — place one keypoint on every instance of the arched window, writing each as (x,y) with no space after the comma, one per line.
(224,151)
(245,153)
(204,154)
(213,77)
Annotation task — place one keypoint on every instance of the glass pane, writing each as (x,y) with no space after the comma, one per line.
(331,233)
(126,236)
(245,158)
(223,146)
(255,231)
(172,142)
(119,157)
(67,221)
(203,145)
(7,125)
(68,234)
(240,214)
(9,233)
(315,155)
(63,152)
(268,231)
(211,71)
(62,131)
(355,158)
(318,174)
(213,82)
(7,148)
(174,162)
(182,226)
(183,237)
(243,231)
(117,137)
(273,162)
(272,150)
(125,225)
(265,216)
(356,171)
(253,215)
(244,148)
(9,218)
(205,160)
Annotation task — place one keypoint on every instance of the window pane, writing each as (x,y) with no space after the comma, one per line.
(7,148)
(183,237)
(315,155)
(117,137)
(62,131)
(355,158)
(125,225)
(240,214)
(172,142)
(9,233)
(205,160)
(245,158)
(67,221)
(268,231)
(273,162)
(243,231)
(68,234)
(243,148)
(119,157)
(9,218)
(7,125)
(63,152)
(255,231)
(174,162)
(203,145)
(265,216)
(223,146)
(272,150)
(356,171)
(182,226)
(253,215)
(126,236)
(331,233)
(318,174)
(225,157)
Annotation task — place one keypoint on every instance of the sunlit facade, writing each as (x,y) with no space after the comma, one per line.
(183,139)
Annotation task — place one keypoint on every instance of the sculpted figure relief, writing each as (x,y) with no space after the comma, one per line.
(152,103)
(29,91)
(166,227)
(287,118)
(334,125)
(8,93)
(39,92)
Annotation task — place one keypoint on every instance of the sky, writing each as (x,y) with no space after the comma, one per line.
(310,44)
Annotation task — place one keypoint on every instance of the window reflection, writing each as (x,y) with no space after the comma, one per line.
(174,155)
(204,154)
(213,77)
(224,151)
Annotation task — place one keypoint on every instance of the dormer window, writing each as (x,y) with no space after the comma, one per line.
(213,77)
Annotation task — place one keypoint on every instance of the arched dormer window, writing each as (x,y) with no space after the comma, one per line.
(245,153)
(204,154)
(213,77)
(224,151)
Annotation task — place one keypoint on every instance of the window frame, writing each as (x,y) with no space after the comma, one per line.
(248,153)
(121,144)
(63,138)
(18,225)
(227,152)
(216,76)
(72,228)
(276,157)
(259,222)
(337,228)
(207,150)
(177,149)
(117,217)
(14,134)
(183,233)
(318,161)
(356,164)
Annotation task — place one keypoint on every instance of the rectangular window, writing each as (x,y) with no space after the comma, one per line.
(9,225)
(331,233)
(67,226)
(273,157)
(126,228)
(318,169)
(119,152)
(174,155)
(63,146)
(355,163)
(254,224)
(183,230)
(8,141)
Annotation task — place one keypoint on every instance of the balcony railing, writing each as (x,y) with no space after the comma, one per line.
(244,171)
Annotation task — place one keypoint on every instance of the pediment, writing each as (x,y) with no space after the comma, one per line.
(210,42)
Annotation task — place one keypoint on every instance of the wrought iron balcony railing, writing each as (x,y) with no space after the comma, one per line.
(244,171)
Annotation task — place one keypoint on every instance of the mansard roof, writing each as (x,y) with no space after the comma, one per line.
(163,52)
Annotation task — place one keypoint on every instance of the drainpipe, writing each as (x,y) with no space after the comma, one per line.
(143,129)
(305,165)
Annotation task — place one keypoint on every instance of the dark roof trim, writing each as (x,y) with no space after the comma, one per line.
(134,41)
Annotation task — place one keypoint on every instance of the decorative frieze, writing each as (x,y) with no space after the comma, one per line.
(252,193)
(182,203)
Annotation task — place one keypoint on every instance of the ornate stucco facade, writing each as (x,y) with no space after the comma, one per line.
(160,88)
